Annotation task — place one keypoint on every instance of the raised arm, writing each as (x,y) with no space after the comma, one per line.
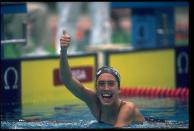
(69,81)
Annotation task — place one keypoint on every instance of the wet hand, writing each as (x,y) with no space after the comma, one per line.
(65,40)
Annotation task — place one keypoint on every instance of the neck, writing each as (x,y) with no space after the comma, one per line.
(112,108)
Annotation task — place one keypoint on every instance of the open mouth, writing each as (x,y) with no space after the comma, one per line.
(107,95)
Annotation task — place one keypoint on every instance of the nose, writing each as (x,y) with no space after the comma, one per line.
(106,87)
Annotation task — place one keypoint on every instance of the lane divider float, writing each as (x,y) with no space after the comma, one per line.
(154,91)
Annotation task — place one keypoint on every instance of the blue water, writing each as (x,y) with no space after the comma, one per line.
(159,113)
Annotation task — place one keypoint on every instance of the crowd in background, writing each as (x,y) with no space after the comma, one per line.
(89,24)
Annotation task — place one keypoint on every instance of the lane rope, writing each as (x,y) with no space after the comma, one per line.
(154,92)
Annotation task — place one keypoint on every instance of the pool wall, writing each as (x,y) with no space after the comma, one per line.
(36,80)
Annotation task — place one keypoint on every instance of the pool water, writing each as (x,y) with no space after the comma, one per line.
(159,113)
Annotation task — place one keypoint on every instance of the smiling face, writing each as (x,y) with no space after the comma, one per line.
(107,89)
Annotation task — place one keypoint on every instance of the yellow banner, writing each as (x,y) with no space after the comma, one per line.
(38,84)
(150,68)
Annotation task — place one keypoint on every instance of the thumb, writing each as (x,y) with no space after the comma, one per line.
(64,32)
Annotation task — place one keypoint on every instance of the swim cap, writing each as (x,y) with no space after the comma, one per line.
(107,69)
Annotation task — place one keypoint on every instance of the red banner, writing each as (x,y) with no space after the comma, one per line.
(82,73)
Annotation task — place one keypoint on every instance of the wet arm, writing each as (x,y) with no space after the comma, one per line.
(69,81)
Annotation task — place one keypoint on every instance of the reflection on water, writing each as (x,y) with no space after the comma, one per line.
(159,113)
(85,124)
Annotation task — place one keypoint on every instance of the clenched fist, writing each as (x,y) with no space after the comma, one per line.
(65,40)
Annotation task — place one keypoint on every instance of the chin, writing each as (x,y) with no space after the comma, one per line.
(106,102)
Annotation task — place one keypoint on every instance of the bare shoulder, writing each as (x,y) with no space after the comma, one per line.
(127,109)
(128,106)
(128,114)
(131,111)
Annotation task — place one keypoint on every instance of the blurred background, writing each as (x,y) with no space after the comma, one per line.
(146,42)
(93,26)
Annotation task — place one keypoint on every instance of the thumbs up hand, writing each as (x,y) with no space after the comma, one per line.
(65,39)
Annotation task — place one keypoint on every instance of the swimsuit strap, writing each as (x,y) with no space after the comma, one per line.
(100,112)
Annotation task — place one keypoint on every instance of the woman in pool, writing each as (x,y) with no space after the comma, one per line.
(104,104)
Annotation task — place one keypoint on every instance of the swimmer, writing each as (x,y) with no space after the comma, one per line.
(104,103)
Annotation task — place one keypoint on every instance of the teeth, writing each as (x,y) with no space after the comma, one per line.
(106,95)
